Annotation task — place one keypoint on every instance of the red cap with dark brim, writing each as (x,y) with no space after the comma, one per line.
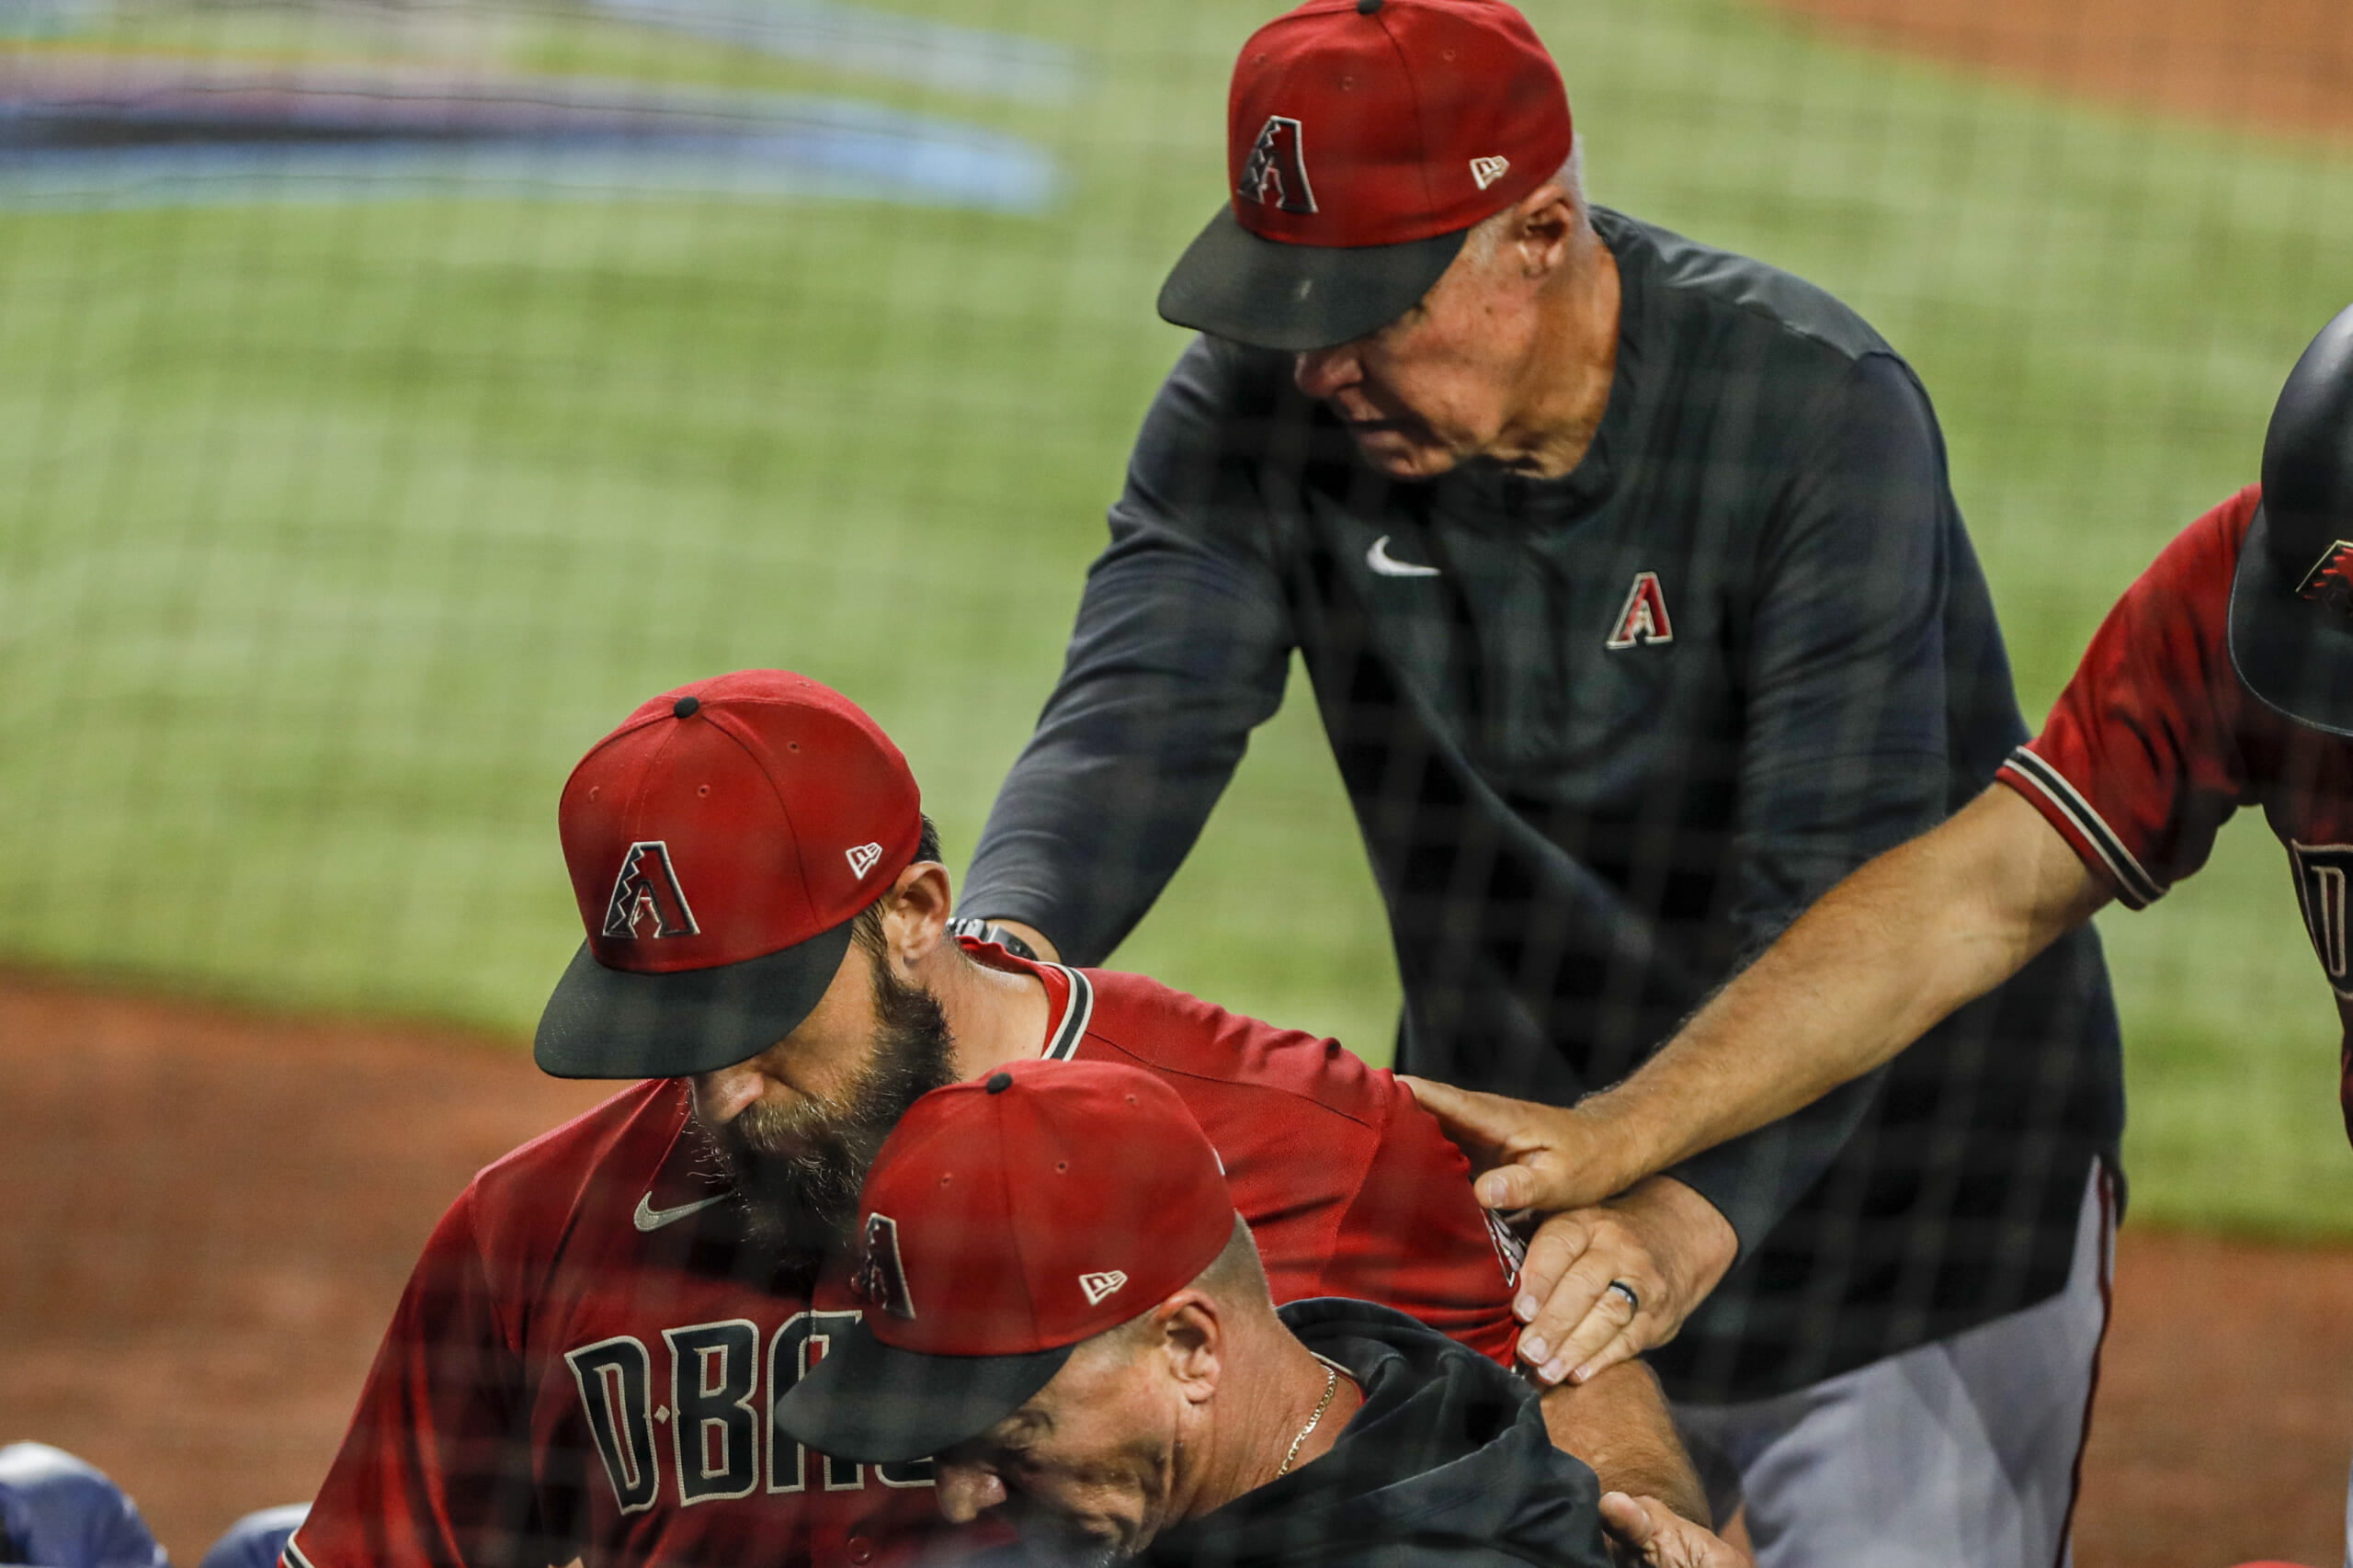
(1005,1221)
(721,843)
(1364,140)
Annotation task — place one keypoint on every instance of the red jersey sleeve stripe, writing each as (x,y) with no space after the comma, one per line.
(2033,776)
(291,1557)
(1076,1017)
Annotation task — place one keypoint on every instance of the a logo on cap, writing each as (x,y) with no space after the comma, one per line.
(1487,171)
(881,1277)
(861,860)
(1275,174)
(2330,582)
(1099,1285)
(648,884)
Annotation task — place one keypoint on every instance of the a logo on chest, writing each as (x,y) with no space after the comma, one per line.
(1643,617)
(699,1412)
(2322,872)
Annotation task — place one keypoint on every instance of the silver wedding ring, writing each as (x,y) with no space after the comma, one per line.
(1633,1302)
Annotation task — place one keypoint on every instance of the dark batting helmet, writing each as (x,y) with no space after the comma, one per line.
(2291,602)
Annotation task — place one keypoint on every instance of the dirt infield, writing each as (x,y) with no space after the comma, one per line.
(2269,65)
(206,1219)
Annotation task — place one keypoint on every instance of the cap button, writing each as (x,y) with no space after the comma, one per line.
(1000,1082)
(685,707)
(1367,7)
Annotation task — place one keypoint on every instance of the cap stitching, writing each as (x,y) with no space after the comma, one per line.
(1421,124)
(1014,1235)
(719,721)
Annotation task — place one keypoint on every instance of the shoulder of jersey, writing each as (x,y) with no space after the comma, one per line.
(1167,1031)
(2198,565)
(633,1127)
(1756,295)
(2234,516)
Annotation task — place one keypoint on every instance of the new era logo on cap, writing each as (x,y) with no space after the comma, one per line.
(862,858)
(1101,1284)
(1487,171)
(647,888)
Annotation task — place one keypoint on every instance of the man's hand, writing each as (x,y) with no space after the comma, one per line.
(1524,1155)
(1663,1539)
(1603,1284)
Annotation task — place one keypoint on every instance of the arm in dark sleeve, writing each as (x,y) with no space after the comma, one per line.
(1845,750)
(1181,648)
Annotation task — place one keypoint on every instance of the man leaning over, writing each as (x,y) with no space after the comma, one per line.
(1062,1305)
(1638,610)
(587,1356)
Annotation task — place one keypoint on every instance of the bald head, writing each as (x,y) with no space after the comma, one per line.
(1146,1423)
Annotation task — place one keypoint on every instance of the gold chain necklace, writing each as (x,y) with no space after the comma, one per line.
(1331,1387)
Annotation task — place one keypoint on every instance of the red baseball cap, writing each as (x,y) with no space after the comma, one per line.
(1005,1221)
(1364,138)
(721,843)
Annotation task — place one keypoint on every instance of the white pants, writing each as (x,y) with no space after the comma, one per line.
(1961,1451)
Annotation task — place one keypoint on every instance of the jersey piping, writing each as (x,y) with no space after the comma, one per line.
(1077,1012)
(2133,883)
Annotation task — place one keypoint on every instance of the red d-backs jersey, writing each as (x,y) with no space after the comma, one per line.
(2155,742)
(586,1356)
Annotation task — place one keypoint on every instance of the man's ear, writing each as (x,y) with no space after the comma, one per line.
(1544,224)
(1192,1338)
(915,913)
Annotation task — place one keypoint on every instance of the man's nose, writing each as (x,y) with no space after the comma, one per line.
(966,1491)
(723,1094)
(1320,372)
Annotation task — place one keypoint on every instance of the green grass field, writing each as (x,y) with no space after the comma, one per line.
(330,536)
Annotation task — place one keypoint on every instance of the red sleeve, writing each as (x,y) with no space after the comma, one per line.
(2139,764)
(1415,1238)
(1348,1185)
(437,1466)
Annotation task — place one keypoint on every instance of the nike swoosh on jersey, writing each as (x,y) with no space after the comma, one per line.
(649,1218)
(1388,565)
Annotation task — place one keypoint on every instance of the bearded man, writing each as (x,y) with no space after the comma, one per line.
(588,1353)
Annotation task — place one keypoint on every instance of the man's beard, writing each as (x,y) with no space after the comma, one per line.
(806,1162)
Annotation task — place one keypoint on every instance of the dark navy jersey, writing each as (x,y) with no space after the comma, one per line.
(1605,736)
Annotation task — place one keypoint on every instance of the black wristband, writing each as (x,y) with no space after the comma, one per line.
(985,930)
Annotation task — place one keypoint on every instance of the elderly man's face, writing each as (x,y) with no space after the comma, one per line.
(1085,1470)
(1441,382)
